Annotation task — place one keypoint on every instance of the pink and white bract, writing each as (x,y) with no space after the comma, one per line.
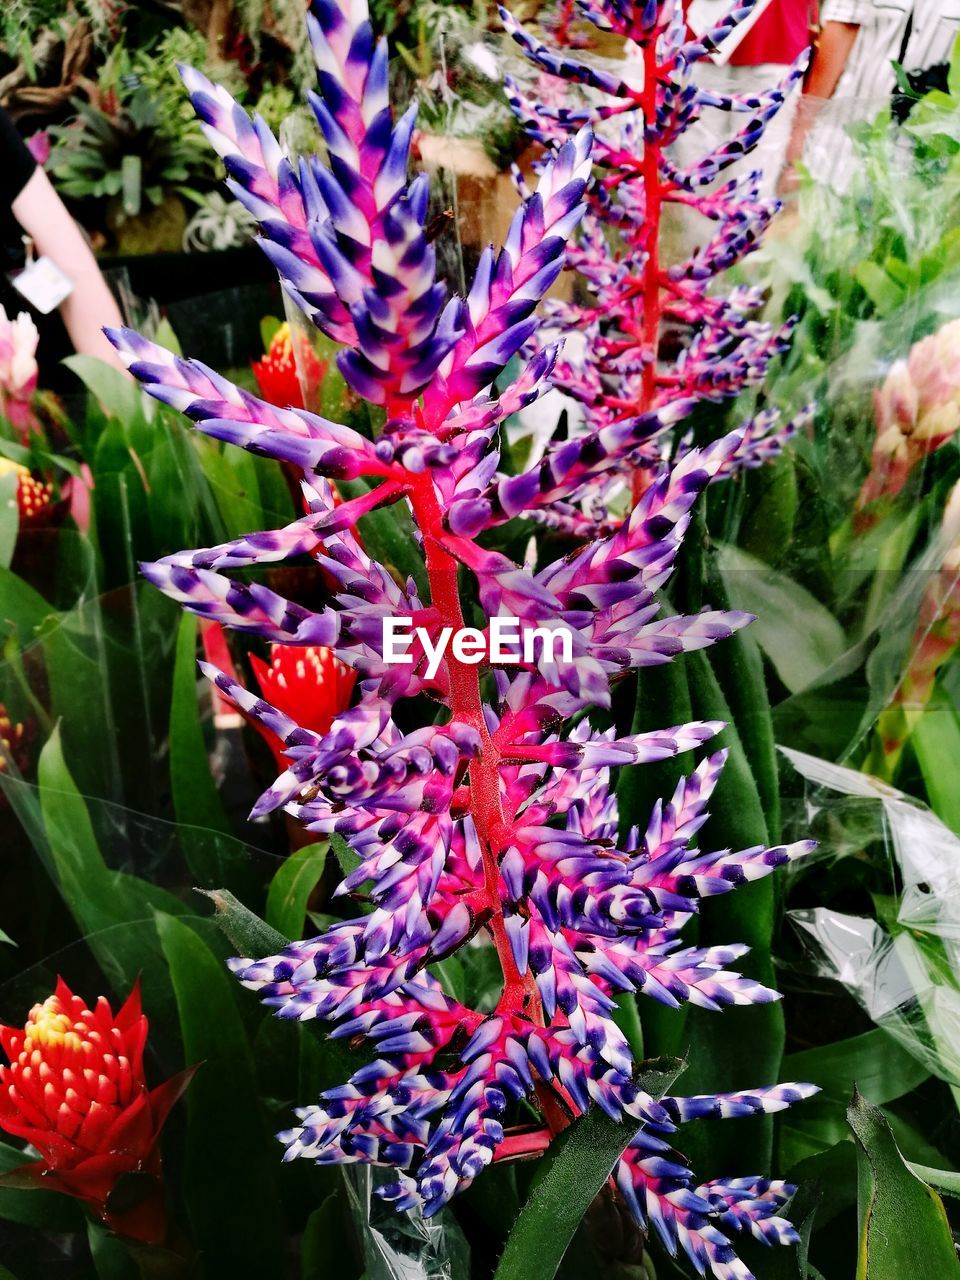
(489,817)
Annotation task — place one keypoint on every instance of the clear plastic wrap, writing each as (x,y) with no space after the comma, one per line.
(402,1246)
(900,968)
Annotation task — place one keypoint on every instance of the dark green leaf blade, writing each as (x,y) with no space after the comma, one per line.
(322,1248)
(292,886)
(254,938)
(31,1205)
(213,854)
(874,1062)
(898,1213)
(231,1162)
(246,931)
(573,1172)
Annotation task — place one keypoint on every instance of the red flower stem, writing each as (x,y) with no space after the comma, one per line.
(520,1145)
(520,994)
(519,991)
(653,210)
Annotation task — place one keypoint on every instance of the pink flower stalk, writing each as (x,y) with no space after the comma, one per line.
(495,814)
(917,410)
(618,374)
(77,490)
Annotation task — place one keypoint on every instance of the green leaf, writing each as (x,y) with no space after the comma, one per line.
(799,653)
(111,1257)
(253,937)
(746,1043)
(449,973)
(904,1232)
(322,1247)
(627,1017)
(34,1206)
(874,1062)
(131,175)
(953,74)
(214,856)
(292,886)
(832,1171)
(9,517)
(230,1165)
(110,387)
(250,935)
(793,1263)
(885,295)
(113,909)
(738,665)
(946,1181)
(571,1176)
(767,528)
(22,610)
(75,658)
(936,738)
(345,856)
(662,698)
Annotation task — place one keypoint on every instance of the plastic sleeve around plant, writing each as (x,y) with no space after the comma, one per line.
(901,967)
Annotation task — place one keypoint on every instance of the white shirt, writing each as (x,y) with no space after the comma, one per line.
(869,80)
(883,25)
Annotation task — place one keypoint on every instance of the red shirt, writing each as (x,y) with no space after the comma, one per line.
(779,35)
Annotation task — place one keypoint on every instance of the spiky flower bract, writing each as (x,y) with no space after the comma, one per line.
(492,816)
(74,1088)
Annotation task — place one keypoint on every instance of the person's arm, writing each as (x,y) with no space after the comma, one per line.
(91,305)
(833,49)
(829,62)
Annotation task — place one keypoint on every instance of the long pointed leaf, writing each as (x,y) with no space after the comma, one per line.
(573,1173)
(904,1232)
(230,1170)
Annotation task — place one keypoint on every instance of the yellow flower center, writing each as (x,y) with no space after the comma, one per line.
(49,1026)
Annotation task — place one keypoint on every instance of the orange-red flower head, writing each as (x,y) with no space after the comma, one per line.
(276,373)
(310,684)
(75,1090)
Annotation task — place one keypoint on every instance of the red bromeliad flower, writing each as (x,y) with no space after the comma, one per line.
(33,496)
(309,684)
(13,741)
(276,373)
(75,1090)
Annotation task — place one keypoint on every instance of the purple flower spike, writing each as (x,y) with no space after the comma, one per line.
(498,815)
(613,368)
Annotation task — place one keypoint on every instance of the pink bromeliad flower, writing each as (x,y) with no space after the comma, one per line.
(916,411)
(18,370)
